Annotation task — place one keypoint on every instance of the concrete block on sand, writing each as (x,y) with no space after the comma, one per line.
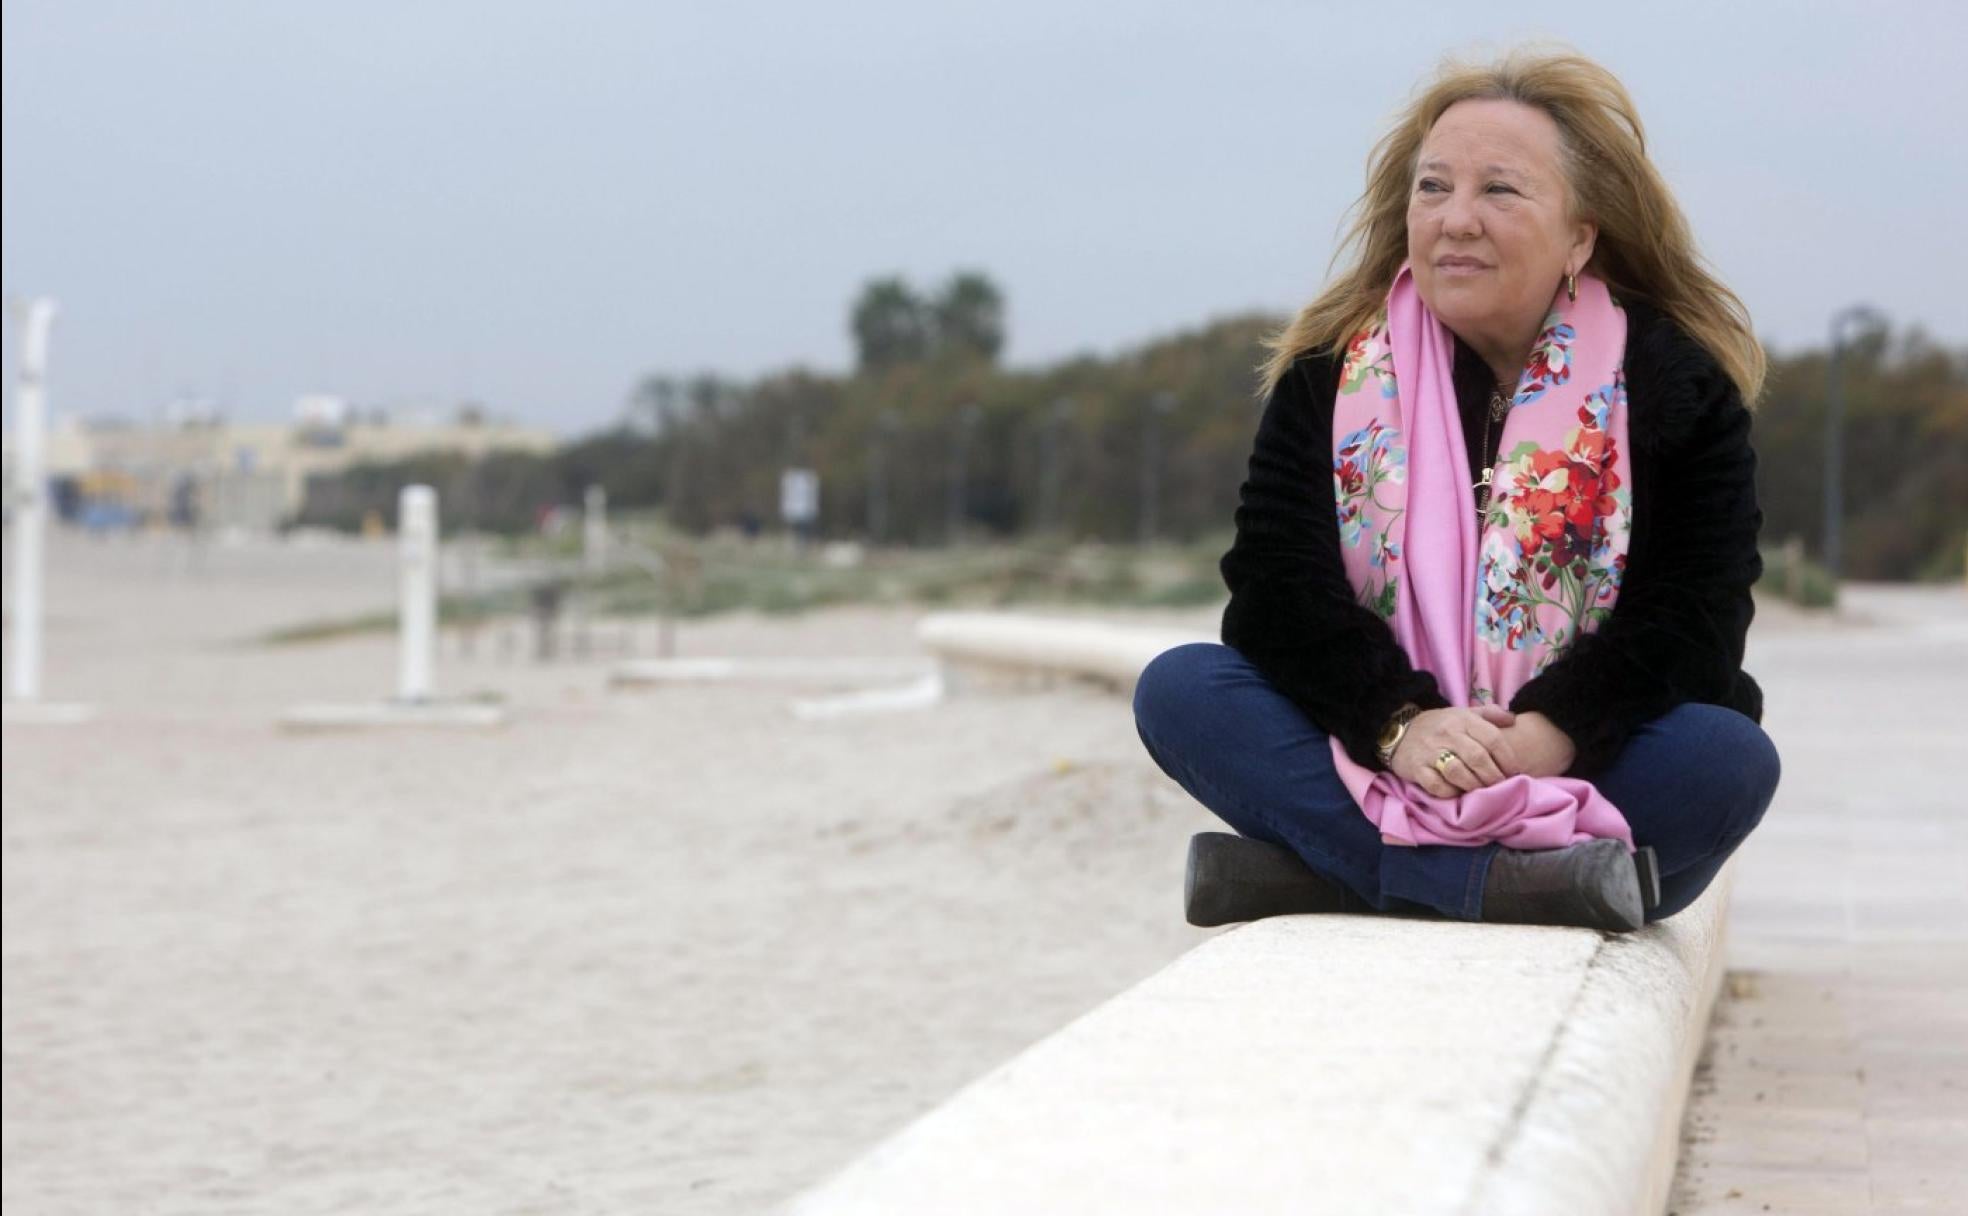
(1338,1064)
(1107,653)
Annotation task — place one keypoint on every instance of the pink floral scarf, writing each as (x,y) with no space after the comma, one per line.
(1484,606)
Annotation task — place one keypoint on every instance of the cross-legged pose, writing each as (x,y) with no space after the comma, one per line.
(1492,568)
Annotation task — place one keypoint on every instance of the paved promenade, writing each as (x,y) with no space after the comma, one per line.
(1835,1079)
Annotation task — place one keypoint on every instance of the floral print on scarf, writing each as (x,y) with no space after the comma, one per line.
(1368,356)
(1365,460)
(1549,534)
(1550,363)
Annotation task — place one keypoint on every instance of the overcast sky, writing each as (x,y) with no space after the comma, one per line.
(534,205)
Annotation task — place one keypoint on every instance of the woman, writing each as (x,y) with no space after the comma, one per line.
(1492,570)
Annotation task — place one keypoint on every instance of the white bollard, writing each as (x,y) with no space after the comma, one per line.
(594,530)
(31,498)
(416,531)
(414,703)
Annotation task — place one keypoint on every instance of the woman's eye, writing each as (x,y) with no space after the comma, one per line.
(1502,187)
(1429,183)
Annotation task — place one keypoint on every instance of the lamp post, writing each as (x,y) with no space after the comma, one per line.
(1834,477)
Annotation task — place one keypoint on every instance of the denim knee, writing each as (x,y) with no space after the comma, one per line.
(1739,761)
(1174,680)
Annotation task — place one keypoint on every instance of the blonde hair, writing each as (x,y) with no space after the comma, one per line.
(1644,246)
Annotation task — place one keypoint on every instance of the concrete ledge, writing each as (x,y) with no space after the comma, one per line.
(1339,1064)
(918,694)
(1005,643)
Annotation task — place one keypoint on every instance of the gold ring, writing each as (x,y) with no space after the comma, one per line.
(1442,761)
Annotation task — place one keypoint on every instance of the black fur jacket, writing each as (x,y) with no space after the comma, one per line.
(1676,631)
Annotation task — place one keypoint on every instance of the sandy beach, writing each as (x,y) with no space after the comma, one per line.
(668,950)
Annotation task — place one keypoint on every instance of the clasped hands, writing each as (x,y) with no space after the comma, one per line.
(1490,743)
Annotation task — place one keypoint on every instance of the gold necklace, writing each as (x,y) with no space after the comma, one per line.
(1499,406)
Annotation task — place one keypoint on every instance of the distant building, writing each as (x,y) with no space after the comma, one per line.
(248,475)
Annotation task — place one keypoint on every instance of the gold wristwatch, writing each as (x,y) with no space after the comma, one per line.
(1390,734)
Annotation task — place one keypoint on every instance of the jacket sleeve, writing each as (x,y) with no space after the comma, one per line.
(1292,612)
(1677,630)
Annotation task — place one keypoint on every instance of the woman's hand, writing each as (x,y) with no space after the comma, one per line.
(1486,750)
(1544,749)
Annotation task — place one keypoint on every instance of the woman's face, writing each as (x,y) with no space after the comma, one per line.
(1489,241)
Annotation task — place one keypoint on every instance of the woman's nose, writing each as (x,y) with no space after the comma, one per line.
(1459,216)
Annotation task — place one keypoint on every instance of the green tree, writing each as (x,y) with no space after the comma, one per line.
(969,317)
(891,325)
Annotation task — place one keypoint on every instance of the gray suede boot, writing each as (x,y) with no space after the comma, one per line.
(1233,878)
(1595,885)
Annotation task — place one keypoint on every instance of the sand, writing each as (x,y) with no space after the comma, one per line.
(664,950)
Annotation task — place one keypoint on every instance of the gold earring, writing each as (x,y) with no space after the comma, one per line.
(1571,286)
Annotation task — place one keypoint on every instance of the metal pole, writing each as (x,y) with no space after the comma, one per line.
(1048,481)
(879,437)
(1052,464)
(1834,480)
(416,530)
(31,496)
(967,418)
(673,486)
(877,491)
(1834,504)
(468,555)
(1159,407)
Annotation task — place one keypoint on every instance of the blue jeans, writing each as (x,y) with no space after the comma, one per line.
(1692,783)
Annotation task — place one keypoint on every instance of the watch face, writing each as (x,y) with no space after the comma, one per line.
(1395,724)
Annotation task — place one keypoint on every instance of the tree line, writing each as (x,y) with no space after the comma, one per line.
(931,440)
